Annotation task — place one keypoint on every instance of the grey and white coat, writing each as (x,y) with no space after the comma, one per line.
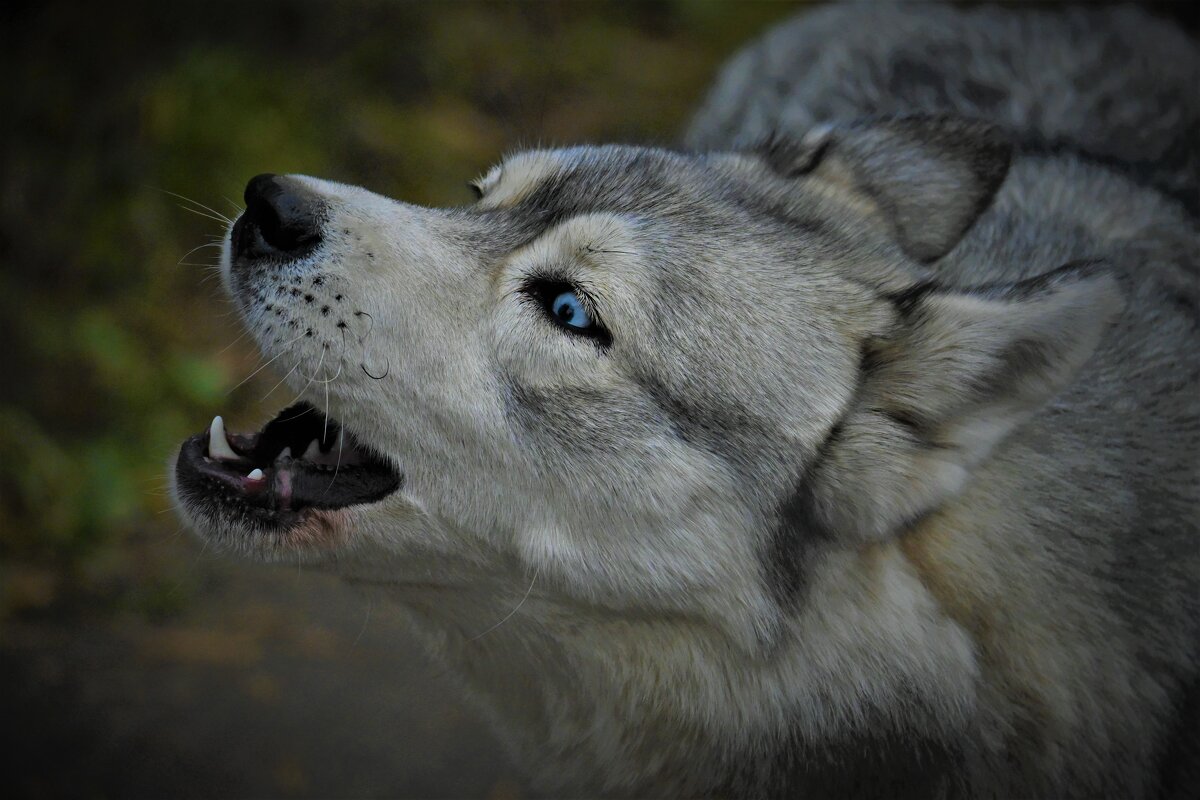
(849,452)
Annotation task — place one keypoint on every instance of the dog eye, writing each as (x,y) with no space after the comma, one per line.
(568,309)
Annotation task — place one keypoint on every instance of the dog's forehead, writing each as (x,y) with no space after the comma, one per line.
(590,178)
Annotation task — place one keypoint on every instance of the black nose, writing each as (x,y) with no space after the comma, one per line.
(282,218)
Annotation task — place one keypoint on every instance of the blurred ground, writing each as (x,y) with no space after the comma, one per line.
(132,663)
(276,683)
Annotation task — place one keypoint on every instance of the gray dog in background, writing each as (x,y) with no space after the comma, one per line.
(851,452)
(1113,85)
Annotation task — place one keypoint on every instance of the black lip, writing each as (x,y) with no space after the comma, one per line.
(290,484)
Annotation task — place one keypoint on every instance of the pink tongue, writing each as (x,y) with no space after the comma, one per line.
(283,487)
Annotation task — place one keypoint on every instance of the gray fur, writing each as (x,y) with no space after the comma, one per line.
(1127,91)
(885,479)
(841,63)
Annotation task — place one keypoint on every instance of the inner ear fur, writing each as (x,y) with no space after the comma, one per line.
(959,371)
(927,178)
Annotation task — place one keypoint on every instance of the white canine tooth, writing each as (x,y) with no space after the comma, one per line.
(313,453)
(255,474)
(218,445)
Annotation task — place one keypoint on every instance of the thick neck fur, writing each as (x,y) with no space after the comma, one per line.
(644,705)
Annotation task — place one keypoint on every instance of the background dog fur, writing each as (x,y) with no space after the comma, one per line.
(1105,83)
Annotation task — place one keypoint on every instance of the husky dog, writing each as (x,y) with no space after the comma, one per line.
(860,462)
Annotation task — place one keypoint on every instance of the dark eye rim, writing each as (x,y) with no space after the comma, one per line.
(543,290)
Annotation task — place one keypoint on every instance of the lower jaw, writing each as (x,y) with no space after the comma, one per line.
(310,536)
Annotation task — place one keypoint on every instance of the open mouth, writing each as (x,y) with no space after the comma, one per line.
(301,459)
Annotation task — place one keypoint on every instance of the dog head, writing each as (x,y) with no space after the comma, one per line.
(659,381)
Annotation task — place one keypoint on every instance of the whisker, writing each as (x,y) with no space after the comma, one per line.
(198,247)
(341,439)
(293,416)
(281,380)
(264,366)
(377,377)
(222,220)
(310,379)
(198,212)
(314,379)
(235,341)
(325,428)
(367,619)
(514,611)
(338,466)
(329,380)
(198,204)
(371,329)
(363,341)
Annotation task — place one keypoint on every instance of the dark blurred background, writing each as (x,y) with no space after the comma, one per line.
(132,663)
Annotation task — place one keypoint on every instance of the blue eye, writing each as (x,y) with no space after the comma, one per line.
(568,307)
(568,310)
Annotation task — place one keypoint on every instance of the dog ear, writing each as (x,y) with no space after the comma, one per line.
(959,372)
(927,178)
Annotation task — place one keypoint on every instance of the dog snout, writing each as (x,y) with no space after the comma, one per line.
(283,218)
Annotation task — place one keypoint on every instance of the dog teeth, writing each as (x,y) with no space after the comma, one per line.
(255,474)
(218,445)
(313,453)
(284,453)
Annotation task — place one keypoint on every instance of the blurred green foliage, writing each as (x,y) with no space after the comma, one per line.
(116,341)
